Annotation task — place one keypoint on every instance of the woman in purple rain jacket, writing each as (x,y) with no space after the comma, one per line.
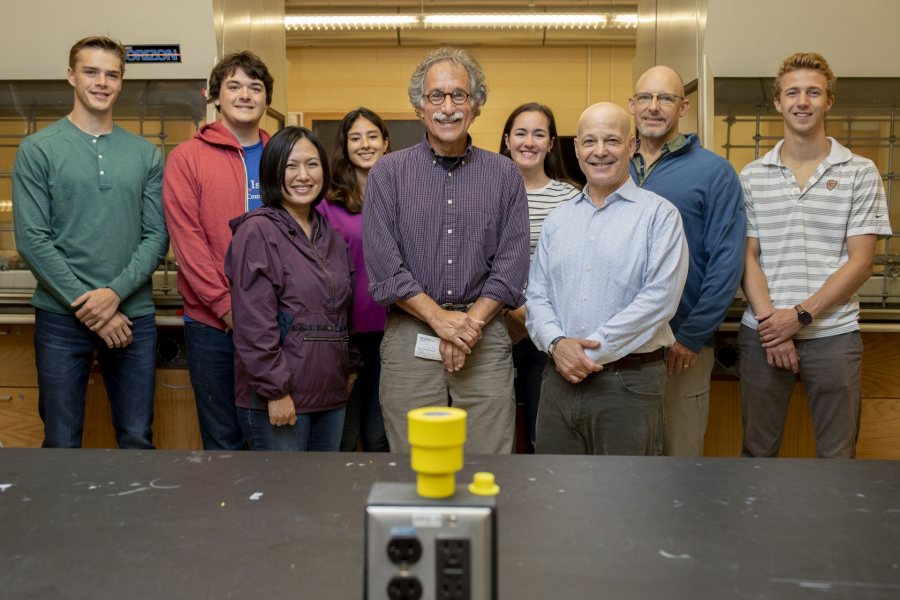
(291,291)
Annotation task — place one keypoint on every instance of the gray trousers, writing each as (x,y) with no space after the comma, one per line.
(610,412)
(830,369)
(483,388)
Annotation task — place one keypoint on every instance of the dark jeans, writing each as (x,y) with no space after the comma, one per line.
(64,351)
(210,358)
(313,432)
(363,416)
(611,412)
(529,363)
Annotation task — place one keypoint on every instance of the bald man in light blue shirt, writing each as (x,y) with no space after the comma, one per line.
(607,276)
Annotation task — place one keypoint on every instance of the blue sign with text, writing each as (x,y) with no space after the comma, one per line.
(153,53)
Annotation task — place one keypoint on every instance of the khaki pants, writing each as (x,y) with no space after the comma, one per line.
(483,388)
(687,407)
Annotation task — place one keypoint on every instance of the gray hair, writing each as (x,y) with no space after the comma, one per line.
(457,56)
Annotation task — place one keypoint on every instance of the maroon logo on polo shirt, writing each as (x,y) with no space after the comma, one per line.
(831,184)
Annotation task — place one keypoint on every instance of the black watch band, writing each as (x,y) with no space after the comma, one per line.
(553,344)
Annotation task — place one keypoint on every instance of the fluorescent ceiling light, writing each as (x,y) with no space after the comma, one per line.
(626,20)
(535,20)
(349,21)
(463,21)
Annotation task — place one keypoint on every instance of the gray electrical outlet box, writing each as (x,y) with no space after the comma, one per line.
(423,549)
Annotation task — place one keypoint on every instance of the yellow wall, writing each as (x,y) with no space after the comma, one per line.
(335,80)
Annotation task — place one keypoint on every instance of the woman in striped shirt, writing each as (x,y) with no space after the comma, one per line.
(529,139)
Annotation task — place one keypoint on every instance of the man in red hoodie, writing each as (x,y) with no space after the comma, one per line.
(208,181)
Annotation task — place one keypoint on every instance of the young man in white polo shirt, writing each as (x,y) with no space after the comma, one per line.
(814,214)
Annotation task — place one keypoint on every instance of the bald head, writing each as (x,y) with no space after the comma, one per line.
(660,78)
(657,105)
(604,146)
(611,114)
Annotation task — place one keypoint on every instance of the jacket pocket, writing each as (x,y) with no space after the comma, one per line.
(320,364)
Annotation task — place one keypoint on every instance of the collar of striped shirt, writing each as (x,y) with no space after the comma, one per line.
(836,155)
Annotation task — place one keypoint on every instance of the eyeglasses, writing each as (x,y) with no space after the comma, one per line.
(458,97)
(663,99)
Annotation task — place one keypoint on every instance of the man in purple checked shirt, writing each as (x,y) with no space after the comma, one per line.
(445,236)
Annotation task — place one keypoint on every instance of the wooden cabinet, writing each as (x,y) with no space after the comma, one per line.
(175,423)
(879,435)
(17,356)
(20,424)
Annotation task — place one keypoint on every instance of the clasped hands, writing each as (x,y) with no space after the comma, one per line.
(459,332)
(98,310)
(570,360)
(776,329)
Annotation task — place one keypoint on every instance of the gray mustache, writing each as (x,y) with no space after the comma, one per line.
(442,118)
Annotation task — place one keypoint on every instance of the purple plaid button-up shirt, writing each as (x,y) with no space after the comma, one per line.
(456,234)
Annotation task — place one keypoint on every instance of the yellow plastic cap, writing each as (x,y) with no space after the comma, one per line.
(437,427)
(436,438)
(483,484)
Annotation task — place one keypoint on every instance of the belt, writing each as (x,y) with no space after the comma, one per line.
(634,362)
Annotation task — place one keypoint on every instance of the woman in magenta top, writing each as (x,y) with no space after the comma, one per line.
(362,140)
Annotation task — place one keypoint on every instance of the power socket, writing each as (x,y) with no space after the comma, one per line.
(453,563)
(423,549)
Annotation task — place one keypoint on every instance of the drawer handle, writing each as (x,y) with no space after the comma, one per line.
(5,398)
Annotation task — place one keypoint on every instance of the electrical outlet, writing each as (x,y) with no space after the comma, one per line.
(447,547)
(453,573)
(404,549)
(404,588)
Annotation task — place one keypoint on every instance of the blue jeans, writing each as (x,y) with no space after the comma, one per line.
(363,406)
(313,432)
(210,358)
(529,363)
(64,351)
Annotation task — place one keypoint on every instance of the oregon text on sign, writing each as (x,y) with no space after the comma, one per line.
(155,53)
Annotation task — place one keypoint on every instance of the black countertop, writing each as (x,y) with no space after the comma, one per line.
(128,524)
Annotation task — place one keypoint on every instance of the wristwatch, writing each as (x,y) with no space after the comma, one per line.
(804,317)
(553,345)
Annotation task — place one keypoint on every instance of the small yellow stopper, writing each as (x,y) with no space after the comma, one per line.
(483,484)
(436,438)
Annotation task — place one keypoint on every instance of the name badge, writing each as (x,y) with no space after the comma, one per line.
(428,347)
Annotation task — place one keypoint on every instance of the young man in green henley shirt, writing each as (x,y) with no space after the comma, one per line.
(87,209)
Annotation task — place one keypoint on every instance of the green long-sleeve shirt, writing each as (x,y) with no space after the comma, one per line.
(88,214)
